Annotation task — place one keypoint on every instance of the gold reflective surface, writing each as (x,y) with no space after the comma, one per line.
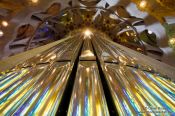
(32,91)
(72,76)
(88,98)
(139,92)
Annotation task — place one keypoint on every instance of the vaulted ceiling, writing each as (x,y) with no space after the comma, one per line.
(154,12)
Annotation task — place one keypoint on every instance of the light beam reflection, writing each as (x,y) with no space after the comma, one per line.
(37,92)
(89,100)
(139,92)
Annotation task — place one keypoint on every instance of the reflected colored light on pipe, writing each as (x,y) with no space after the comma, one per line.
(87,97)
(138,92)
(33,90)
